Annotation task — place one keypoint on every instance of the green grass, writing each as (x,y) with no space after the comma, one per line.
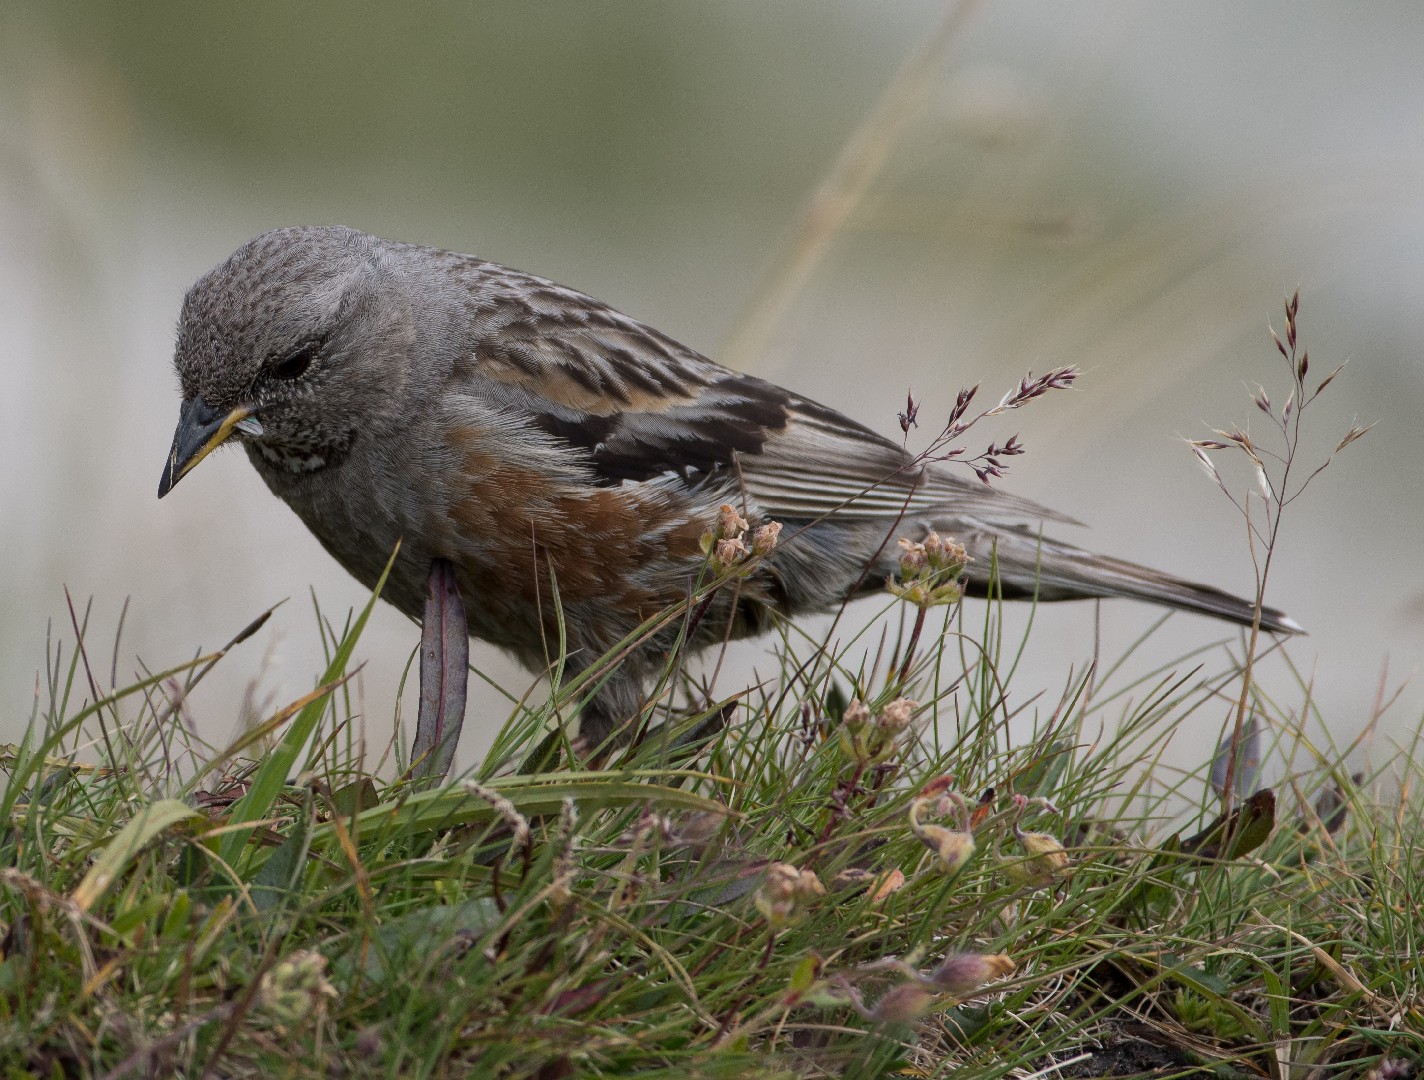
(170,910)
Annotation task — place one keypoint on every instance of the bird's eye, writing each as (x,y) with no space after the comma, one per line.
(295,365)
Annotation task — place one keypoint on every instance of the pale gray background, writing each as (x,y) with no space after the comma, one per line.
(1131,187)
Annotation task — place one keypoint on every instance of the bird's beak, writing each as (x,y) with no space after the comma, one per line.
(201,430)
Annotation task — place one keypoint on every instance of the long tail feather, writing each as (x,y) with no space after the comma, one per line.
(1027,565)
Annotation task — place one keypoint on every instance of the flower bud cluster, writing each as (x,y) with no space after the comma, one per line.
(786,892)
(295,988)
(868,740)
(726,545)
(930,571)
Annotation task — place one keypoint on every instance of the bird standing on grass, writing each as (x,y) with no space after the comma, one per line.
(548,446)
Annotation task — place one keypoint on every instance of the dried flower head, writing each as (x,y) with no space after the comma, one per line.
(1392,1069)
(945,553)
(896,716)
(785,893)
(856,716)
(730,524)
(903,1004)
(1031,387)
(765,538)
(879,886)
(911,416)
(369,1043)
(869,741)
(1046,862)
(725,544)
(913,560)
(962,974)
(952,847)
(728,553)
(295,988)
(930,570)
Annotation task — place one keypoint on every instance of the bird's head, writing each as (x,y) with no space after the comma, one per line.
(296,345)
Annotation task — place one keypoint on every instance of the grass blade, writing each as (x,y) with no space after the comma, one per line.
(271,775)
(137,833)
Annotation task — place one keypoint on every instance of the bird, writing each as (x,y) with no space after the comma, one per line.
(570,462)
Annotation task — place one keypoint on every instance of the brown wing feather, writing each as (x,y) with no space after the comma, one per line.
(638,405)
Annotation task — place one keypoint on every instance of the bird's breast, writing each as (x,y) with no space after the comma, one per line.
(524,541)
(516,532)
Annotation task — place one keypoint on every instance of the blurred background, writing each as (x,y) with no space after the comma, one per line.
(1129,187)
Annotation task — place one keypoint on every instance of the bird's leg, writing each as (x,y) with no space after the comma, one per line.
(444,665)
(614,717)
(603,727)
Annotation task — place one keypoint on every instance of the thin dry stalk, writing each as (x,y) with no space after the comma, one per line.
(1274,492)
(861,161)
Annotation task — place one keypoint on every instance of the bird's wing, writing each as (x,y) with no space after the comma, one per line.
(637,406)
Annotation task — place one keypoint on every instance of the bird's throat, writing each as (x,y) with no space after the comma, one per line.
(301,459)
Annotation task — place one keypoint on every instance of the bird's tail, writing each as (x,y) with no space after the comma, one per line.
(1025,565)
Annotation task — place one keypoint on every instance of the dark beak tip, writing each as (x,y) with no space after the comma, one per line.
(198,424)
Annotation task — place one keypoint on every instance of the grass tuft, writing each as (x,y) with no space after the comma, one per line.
(837,882)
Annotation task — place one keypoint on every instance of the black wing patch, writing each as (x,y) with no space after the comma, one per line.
(732,415)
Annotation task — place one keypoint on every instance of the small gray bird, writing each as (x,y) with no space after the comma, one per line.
(548,446)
